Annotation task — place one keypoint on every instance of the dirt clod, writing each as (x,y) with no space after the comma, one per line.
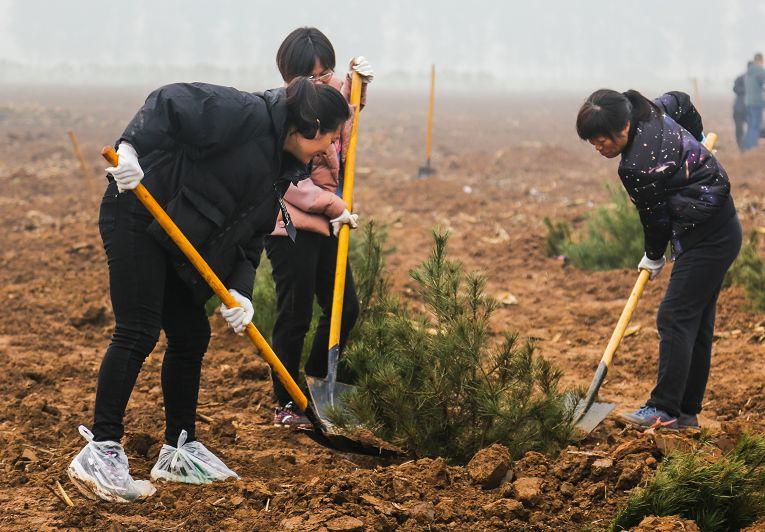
(528,490)
(505,509)
(253,371)
(94,315)
(489,466)
(630,476)
(422,512)
(666,524)
(140,443)
(345,523)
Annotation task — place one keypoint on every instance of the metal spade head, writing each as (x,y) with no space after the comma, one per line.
(325,396)
(592,417)
(425,171)
(587,414)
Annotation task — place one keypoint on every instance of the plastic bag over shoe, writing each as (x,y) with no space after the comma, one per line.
(190,462)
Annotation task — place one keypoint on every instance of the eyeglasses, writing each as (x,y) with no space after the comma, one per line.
(322,78)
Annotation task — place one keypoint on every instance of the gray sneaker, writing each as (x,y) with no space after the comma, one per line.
(100,470)
(649,417)
(688,421)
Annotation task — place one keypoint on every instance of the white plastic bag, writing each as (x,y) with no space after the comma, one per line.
(101,469)
(191,463)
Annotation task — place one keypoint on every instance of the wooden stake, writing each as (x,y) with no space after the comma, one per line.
(431,99)
(204,418)
(62,496)
(67,500)
(87,174)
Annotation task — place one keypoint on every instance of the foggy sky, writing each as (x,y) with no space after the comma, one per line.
(544,45)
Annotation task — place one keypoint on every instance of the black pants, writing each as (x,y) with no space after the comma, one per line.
(301,270)
(147,295)
(686,320)
(740,123)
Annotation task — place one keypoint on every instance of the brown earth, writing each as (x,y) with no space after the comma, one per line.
(521,161)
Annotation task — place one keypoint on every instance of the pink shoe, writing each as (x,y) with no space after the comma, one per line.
(289,416)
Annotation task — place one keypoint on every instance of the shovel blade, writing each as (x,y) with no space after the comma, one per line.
(593,417)
(424,172)
(325,396)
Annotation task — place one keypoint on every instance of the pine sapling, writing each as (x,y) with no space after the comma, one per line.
(613,237)
(438,384)
(749,271)
(719,493)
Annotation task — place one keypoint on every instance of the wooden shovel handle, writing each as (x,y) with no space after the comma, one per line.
(624,319)
(265,351)
(344,235)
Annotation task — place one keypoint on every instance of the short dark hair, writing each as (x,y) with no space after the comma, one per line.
(758,56)
(314,108)
(298,53)
(606,112)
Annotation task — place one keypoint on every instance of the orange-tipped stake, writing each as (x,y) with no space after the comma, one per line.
(426,170)
(86,173)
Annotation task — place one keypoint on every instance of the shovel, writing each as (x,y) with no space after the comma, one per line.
(587,413)
(334,441)
(426,170)
(327,393)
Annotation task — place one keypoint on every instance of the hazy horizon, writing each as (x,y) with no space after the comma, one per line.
(545,46)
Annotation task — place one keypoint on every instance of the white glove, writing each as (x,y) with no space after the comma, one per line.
(653,267)
(128,172)
(238,317)
(345,218)
(363,68)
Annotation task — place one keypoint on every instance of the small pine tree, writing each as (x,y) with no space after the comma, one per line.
(726,493)
(749,272)
(558,234)
(436,383)
(613,236)
(368,264)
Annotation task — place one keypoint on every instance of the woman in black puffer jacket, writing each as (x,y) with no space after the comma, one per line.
(218,160)
(682,194)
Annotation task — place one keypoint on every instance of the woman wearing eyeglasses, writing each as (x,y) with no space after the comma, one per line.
(305,268)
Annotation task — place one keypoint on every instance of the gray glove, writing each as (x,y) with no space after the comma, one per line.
(653,267)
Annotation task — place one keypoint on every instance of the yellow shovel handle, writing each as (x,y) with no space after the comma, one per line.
(624,319)
(344,235)
(214,282)
(431,98)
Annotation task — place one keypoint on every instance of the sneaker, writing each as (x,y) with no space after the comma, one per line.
(190,463)
(648,417)
(100,470)
(289,416)
(688,421)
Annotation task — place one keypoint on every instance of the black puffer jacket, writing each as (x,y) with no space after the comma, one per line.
(679,188)
(212,157)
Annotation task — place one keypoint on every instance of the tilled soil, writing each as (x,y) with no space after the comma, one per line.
(504,162)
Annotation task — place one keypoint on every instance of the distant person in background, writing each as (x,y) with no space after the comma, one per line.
(753,98)
(739,108)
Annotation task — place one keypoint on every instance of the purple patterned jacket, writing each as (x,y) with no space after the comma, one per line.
(681,191)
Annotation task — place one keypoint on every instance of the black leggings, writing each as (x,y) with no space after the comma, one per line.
(301,270)
(686,320)
(147,295)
